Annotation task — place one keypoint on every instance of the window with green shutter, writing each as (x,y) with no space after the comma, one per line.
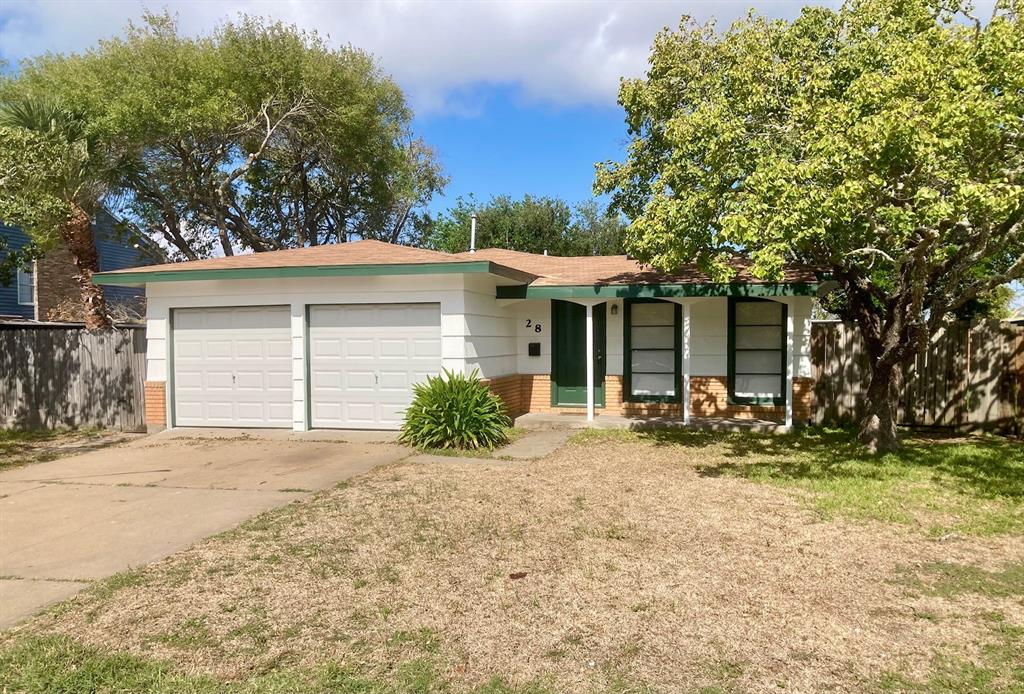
(757,351)
(653,345)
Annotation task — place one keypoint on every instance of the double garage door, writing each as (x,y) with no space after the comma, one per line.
(234,366)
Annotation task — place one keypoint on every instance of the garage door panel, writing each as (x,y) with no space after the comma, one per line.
(426,349)
(394,348)
(250,380)
(326,380)
(358,348)
(359,380)
(188,380)
(360,413)
(385,349)
(233,367)
(215,380)
(218,349)
(189,349)
(395,381)
(280,381)
(249,349)
(279,349)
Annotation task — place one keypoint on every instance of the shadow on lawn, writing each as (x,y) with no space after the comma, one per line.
(982,467)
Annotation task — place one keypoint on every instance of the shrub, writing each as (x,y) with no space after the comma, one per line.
(455,411)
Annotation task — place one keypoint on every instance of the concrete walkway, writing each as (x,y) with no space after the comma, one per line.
(71,521)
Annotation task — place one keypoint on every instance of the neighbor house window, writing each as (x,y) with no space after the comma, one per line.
(653,343)
(26,287)
(757,351)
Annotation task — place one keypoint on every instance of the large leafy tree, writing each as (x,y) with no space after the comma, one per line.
(531,224)
(881,142)
(56,172)
(257,137)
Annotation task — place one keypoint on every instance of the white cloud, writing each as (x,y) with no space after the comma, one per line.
(555,52)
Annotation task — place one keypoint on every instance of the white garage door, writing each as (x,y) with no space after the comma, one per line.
(365,358)
(232,367)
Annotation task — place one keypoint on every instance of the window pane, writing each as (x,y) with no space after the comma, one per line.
(758,312)
(758,386)
(659,361)
(758,337)
(759,362)
(654,384)
(653,338)
(25,281)
(660,313)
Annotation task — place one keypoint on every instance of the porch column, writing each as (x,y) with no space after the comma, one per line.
(590,362)
(686,363)
(790,355)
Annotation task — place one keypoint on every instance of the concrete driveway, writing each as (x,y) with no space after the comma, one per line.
(71,521)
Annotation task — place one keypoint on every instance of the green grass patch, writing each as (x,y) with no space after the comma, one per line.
(998,668)
(948,580)
(970,486)
(62,665)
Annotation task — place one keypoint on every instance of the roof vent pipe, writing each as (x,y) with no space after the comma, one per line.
(472,234)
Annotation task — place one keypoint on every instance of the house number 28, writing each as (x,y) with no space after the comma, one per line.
(531,324)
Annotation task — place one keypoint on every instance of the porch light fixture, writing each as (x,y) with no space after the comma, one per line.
(615,309)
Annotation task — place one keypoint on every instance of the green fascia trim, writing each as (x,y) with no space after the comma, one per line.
(656,291)
(143,277)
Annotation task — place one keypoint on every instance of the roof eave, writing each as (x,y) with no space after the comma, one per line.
(655,291)
(142,277)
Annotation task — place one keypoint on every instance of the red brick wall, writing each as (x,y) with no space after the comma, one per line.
(156,404)
(708,398)
(510,390)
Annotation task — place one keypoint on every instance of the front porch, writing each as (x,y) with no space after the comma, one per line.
(716,363)
(567,420)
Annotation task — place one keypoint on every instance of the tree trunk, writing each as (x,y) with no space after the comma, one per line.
(878,428)
(78,238)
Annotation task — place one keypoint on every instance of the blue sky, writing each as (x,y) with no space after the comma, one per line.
(515,147)
(517,97)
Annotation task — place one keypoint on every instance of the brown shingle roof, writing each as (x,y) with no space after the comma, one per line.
(553,271)
(367,252)
(532,268)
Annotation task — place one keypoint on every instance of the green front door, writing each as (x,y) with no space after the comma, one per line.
(569,354)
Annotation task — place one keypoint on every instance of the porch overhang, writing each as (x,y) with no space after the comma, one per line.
(655,291)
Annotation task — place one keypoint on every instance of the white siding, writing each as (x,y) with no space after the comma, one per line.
(530,314)
(485,331)
(709,335)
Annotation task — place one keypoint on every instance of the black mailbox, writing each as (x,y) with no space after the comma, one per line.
(534,350)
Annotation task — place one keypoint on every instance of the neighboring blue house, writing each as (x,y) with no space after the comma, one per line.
(32,295)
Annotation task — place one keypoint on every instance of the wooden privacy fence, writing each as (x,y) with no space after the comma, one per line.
(64,376)
(970,377)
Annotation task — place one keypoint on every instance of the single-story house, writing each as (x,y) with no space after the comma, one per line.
(336,336)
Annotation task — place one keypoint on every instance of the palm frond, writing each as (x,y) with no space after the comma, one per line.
(44,116)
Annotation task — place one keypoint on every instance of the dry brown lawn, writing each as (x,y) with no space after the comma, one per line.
(612,565)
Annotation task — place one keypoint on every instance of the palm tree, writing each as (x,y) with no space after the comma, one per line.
(79,175)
